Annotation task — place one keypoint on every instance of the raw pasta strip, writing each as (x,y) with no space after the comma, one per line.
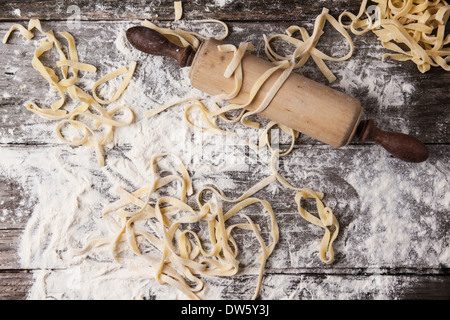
(235,67)
(178,7)
(55,114)
(185,38)
(88,107)
(417,24)
(212,128)
(126,81)
(223,24)
(46,74)
(23,31)
(193,103)
(105,119)
(84,140)
(327,220)
(306,47)
(265,141)
(73,53)
(76,65)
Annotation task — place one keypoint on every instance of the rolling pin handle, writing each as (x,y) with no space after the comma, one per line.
(152,42)
(400,145)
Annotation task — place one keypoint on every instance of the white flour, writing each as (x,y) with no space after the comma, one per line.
(392,93)
(70,190)
(222,3)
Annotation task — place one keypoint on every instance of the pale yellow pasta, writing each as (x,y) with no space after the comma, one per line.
(210,127)
(23,31)
(173,35)
(55,114)
(182,256)
(84,140)
(178,7)
(76,65)
(223,24)
(235,68)
(47,74)
(126,81)
(73,54)
(326,219)
(417,24)
(265,141)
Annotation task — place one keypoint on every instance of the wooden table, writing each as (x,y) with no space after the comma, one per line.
(413,208)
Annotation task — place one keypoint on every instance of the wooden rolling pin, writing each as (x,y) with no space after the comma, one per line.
(307,106)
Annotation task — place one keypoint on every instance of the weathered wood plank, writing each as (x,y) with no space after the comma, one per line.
(307,287)
(230,10)
(9,244)
(15,202)
(16,285)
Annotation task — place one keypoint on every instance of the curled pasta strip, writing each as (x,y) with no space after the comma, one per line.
(223,24)
(327,220)
(23,31)
(234,67)
(76,65)
(212,128)
(185,38)
(305,48)
(208,116)
(187,189)
(126,81)
(84,140)
(47,74)
(73,53)
(106,121)
(55,114)
(264,139)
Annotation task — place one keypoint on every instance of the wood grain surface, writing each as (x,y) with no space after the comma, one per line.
(423,112)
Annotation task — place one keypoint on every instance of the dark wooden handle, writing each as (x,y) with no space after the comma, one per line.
(400,145)
(152,42)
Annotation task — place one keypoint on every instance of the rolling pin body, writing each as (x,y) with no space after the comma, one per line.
(301,104)
(304,105)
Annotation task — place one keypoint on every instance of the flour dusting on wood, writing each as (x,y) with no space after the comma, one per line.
(68,190)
